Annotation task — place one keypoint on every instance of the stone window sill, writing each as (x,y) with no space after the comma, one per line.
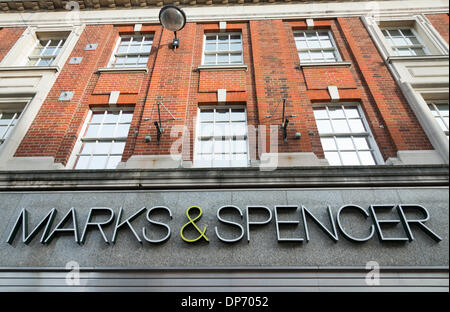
(27,68)
(222,67)
(123,70)
(418,58)
(323,64)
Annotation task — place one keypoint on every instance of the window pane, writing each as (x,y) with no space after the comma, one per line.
(210,47)
(111,117)
(320,113)
(239,128)
(207,115)
(206,146)
(356,125)
(3,131)
(238,115)
(328,144)
(82,162)
(361,143)
(203,161)
(345,143)
(97,117)
(210,59)
(326,44)
(418,51)
(222,58)
(407,32)
(102,147)
(236,58)
(304,56)
(98,162)
(336,112)
(340,126)
(222,160)
(301,45)
(324,126)
(443,109)
(118,147)
(349,158)
(239,146)
(107,131)
(222,115)
(122,130)
(367,158)
(113,162)
(206,129)
(126,117)
(88,148)
(404,52)
(92,131)
(394,33)
(351,112)
(222,129)
(239,160)
(221,146)
(333,158)
(223,46)
(45,62)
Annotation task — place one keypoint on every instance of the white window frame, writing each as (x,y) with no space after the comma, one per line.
(378,158)
(62,36)
(393,48)
(230,138)
(433,104)
(13,108)
(334,47)
(115,54)
(217,52)
(82,139)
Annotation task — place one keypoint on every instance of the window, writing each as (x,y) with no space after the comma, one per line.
(104,139)
(404,41)
(46,50)
(222,137)
(344,134)
(8,119)
(132,51)
(439,109)
(316,46)
(223,49)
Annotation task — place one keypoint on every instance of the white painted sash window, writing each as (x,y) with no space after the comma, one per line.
(223,49)
(404,42)
(316,46)
(8,120)
(104,140)
(345,135)
(45,51)
(132,51)
(221,139)
(439,110)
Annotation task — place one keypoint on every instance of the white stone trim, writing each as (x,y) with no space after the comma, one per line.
(334,93)
(221,95)
(425,157)
(270,161)
(152,162)
(216,13)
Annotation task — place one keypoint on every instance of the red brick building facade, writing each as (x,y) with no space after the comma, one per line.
(270,73)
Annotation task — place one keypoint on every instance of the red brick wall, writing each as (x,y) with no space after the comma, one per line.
(8,37)
(55,128)
(440,22)
(273,74)
(393,122)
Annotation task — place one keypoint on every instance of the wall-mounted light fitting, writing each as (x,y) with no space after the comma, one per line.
(172,18)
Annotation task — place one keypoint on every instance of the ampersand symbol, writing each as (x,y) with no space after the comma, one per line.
(191,221)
